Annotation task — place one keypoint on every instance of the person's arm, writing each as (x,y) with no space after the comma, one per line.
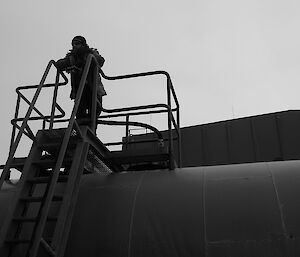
(64,63)
(99,58)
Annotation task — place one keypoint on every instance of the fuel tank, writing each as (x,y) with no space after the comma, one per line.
(217,211)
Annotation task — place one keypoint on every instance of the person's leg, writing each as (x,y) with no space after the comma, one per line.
(82,112)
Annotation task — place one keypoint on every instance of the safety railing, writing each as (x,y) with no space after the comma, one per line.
(25,129)
(125,112)
(151,109)
(45,118)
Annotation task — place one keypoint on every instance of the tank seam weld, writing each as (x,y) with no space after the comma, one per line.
(278,201)
(132,214)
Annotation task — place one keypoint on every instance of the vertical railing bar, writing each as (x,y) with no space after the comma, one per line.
(54,100)
(127,132)
(13,133)
(178,119)
(179,139)
(170,136)
(44,124)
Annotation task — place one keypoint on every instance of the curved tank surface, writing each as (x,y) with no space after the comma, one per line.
(217,211)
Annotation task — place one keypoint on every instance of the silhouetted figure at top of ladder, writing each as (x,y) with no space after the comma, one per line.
(74,63)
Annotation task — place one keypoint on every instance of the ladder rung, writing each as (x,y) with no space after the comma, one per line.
(37,180)
(32,219)
(17,241)
(53,143)
(39,198)
(25,219)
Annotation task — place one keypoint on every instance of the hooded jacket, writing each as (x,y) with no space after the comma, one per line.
(74,64)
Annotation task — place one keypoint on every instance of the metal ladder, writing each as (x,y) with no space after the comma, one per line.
(44,189)
(39,217)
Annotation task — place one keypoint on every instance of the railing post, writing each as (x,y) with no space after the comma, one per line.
(179,140)
(13,133)
(54,100)
(127,132)
(170,134)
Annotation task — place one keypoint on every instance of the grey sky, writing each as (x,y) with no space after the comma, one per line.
(226,58)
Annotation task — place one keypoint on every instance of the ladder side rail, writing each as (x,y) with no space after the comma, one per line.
(63,224)
(11,208)
(46,204)
(13,132)
(24,124)
(54,100)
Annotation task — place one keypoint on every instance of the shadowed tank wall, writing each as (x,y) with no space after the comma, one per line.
(217,211)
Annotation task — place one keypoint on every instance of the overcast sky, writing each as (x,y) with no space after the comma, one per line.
(227,58)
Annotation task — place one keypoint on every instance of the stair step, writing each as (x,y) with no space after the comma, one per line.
(50,163)
(55,144)
(39,198)
(32,219)
(52,144)
(45,163)
(40,180)
(17,163)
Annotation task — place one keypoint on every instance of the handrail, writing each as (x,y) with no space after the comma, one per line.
(170,91)
(41,116)
(15,141)
(143,74)
(25,129)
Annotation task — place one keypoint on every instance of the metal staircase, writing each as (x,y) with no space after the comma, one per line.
(39,217)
